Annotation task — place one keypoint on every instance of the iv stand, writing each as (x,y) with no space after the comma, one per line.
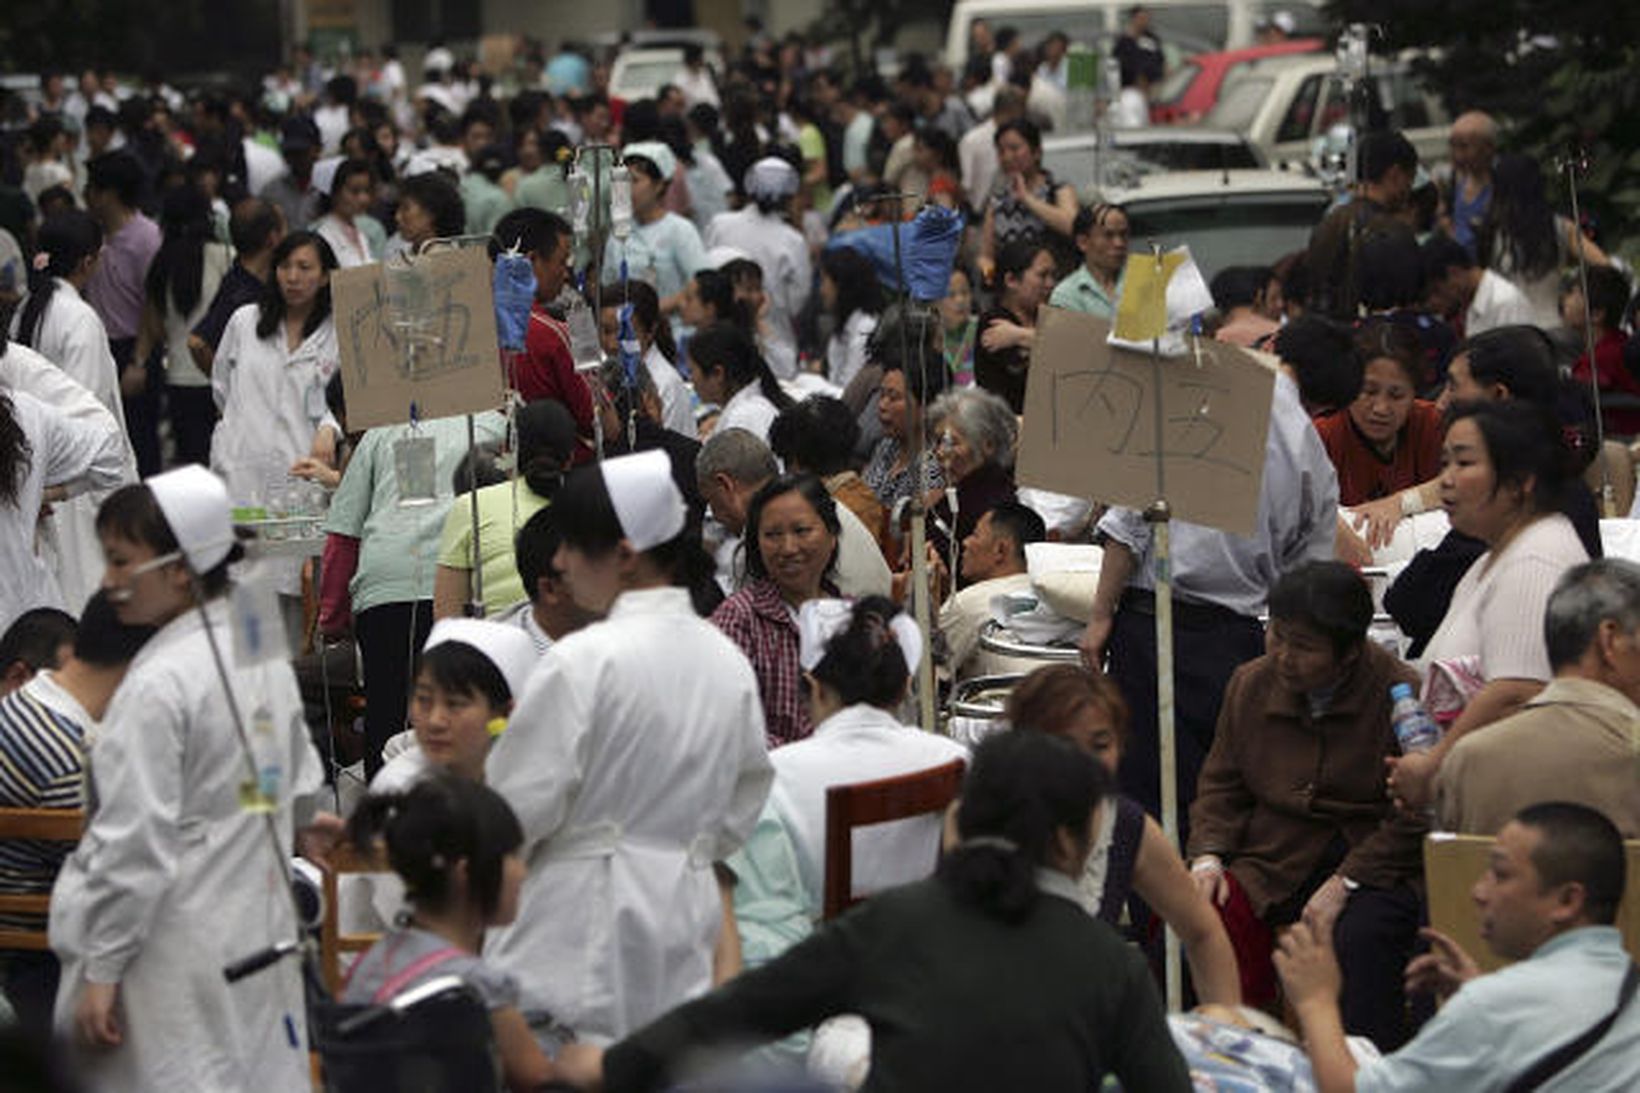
(1159,515)
(1574,164)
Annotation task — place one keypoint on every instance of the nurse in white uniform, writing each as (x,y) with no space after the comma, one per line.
(655,342)
(664,249)
(44,446)
(175,876)
(728,370)
(56,321)
(269,378)
(634,761)
(350,186)
(762,232)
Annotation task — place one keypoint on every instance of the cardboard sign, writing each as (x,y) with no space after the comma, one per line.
(1090,423)
(418,331)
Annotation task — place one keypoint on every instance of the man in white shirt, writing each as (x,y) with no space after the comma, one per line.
(1454,282)
(977,150)
(993,564)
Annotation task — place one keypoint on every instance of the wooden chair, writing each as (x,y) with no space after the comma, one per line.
(879,802)
(54,825)
(344,859)
(1452,865)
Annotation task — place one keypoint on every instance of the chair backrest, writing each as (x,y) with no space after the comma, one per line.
(52,825)
(1452,865)
(864,803)
(345,858)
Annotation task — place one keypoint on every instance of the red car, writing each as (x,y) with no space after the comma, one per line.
(1190,90)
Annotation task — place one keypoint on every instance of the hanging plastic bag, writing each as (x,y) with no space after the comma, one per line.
(928,248)
(514,296)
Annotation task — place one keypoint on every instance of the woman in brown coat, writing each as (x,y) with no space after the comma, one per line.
(1292,816)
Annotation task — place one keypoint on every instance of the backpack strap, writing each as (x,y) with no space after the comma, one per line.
(1567,1054)
(396,983)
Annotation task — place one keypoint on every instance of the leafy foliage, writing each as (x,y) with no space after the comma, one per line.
(1558,76)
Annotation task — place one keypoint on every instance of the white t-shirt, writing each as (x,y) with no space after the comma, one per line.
(1497,609)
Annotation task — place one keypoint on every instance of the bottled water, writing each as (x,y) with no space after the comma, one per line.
(1414,728)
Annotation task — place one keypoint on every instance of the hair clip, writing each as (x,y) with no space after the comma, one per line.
(42,261)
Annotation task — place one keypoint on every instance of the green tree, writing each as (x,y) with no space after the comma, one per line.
(1559,76)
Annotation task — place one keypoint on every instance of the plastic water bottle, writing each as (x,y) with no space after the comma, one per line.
(1414,728)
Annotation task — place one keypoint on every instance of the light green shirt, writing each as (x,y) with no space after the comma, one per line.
(398,546)
(544,188)
(502,509)
(486,203)
(1081,292)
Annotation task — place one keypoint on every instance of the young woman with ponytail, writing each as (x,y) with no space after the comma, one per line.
(55,320)
(655,345)
(546,446)
(728,370)
(455,844)
(989,975)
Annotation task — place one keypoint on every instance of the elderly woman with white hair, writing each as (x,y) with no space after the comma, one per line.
(974,433)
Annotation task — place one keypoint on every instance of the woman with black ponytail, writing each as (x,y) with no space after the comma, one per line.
(857,661)
(455,844)
(729,371)
(182,282)
(55,320)
(989,975)
(546,439)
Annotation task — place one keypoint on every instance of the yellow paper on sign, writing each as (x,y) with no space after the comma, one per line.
(1141,313)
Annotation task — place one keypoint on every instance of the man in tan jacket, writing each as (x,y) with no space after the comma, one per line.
(1579,739)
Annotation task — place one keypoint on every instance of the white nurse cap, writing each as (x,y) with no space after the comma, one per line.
(196,506)
(646,500)
(509,648)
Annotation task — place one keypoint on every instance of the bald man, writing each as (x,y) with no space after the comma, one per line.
(1474,144)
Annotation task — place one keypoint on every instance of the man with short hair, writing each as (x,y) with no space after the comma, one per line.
(550,612)
(732,466)
(37,640)
(118,289)
(256,227)
(294,191)
(977,150)
(1388,163)
(1101,232)
(1454,284)
(1473,141)
(993,564)
(43,729)
(1239,295)
(1563,1011)
(1579,739)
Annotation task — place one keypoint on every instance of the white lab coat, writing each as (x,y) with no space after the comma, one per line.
(272,402)
(71,335)
(750,409)
(859,743)
(783,254)
(65,451)
(173,880)
(351,247)
(846,349)
(634,760)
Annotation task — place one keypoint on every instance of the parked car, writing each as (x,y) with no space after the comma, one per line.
(1189,91)
(1228,218)
(640,72)
(1095,162)
(1184,26)
(1283,104)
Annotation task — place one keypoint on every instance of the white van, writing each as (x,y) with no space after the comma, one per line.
(1184,26)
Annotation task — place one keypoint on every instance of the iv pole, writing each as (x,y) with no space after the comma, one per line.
(1575,164)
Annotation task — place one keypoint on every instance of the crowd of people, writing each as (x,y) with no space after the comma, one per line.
(608,644)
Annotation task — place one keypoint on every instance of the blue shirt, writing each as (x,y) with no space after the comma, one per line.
(1467,214)
(1499,1025)
(42,765)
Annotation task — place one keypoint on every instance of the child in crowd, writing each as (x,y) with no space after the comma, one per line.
(455,844)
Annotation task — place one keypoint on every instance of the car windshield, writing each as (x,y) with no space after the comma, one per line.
(1235,229)
(1175,84)
(650,74)
(1239,103)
